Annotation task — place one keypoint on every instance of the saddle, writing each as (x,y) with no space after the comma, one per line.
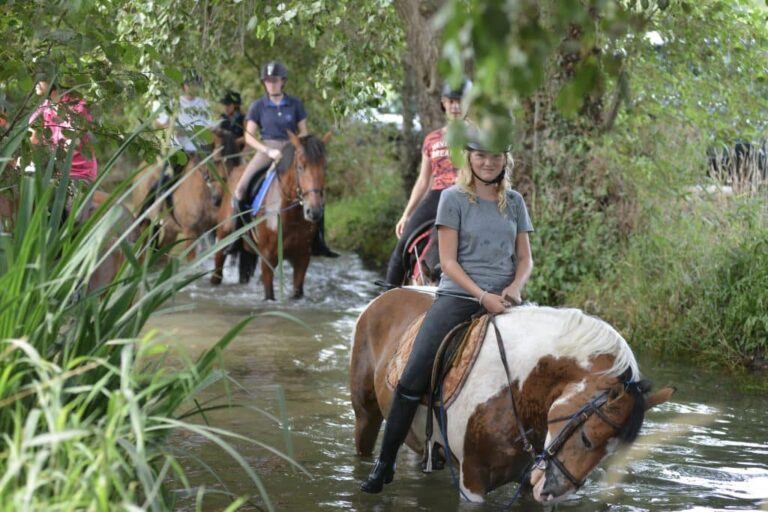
(258,187)
(421,256)
(455,358)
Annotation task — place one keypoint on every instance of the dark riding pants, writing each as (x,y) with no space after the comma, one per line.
(446,313)
(424,212)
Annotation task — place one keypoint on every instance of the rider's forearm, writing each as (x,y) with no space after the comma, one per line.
(523,271)
(417,194)
(255,143)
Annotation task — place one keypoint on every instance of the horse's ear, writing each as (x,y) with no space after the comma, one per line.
(326,137)
(294,139)
(659,397)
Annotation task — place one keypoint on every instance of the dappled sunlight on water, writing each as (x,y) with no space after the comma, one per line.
(705,450)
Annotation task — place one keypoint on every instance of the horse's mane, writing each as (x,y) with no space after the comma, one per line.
(314,151)
(583,336)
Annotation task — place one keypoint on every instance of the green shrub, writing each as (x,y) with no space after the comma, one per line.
(365,222)
(365,197)
(693,282)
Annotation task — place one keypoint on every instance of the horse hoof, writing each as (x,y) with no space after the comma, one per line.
(215,279)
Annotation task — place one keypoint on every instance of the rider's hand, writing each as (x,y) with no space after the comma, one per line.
(274,154)
(513,294)
(400,226)
(494,303)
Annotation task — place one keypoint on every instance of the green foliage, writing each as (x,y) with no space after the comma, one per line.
(709,71)
(580,220)
(86,405)
(694,283)
(365,180)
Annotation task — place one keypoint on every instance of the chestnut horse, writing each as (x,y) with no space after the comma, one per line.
(292,206)
(191,210)
(573,378)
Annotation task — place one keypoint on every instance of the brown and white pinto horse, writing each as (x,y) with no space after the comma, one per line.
(574,381)
(292,206)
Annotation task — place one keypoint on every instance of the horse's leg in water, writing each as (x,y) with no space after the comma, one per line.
(220,257)
(267,279)
(300,266)
(368,416)
(218,266)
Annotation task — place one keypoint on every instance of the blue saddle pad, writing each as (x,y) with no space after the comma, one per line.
(256,204)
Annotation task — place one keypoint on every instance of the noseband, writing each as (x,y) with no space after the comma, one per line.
(576,420)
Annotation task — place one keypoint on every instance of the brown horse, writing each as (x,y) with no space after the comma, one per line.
(191,210)
(106,271)
(110,263)
(573,377)
(291,208)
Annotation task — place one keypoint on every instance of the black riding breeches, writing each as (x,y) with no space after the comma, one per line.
(424,212)
(446,313)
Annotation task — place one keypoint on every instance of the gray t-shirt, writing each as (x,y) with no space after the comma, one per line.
(486,249)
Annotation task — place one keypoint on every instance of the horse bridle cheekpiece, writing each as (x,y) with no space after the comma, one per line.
(300,194)
(575,420)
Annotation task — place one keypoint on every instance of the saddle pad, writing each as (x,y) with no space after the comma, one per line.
(268,179)
(464,357)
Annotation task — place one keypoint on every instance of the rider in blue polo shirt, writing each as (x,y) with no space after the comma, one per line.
(272,116)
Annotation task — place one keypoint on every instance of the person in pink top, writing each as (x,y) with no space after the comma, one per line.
(60,123)
(436,173)
(63,123)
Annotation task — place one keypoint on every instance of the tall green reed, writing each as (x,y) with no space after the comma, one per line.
(85,402)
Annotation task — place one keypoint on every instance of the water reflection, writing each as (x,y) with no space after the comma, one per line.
(705,450)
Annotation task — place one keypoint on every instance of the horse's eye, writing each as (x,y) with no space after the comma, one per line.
(586,441)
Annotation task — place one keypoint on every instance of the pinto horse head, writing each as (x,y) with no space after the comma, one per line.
(587,423)
(310,163)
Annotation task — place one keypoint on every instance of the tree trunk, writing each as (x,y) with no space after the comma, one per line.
(422,82)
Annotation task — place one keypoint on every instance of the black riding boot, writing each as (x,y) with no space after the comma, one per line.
(319,248)
(239,209)
(404,406)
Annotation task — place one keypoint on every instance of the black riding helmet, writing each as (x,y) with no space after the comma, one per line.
(455,93)
(480,141)
(192,77)
(274,68)
(231,98)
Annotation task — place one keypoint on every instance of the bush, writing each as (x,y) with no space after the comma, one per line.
(693,283)
(365,193)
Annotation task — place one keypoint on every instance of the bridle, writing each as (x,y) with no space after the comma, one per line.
(575,420)
(300,193)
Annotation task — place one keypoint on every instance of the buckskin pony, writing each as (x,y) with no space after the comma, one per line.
(292,206)
(191,210)
(575,383)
